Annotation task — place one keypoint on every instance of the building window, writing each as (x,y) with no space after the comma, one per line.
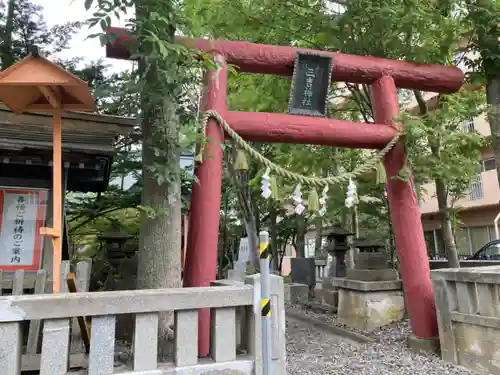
(435,243)
(467,239)
(462,241)
(476,188)
(479,236)
(489,164)
(467,125)
(431,244)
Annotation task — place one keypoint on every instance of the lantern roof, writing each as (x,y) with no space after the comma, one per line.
(367,242)
(115,235)
(37,84)
(336,230)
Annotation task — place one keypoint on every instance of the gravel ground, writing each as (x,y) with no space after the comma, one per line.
(312,352)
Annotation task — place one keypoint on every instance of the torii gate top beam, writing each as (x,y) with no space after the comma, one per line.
(279,60)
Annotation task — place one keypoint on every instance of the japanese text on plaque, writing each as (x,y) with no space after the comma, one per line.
(308,88)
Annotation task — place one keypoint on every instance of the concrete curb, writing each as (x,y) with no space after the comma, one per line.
(354,336)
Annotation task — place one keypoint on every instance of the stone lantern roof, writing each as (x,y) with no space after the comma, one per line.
(336,230)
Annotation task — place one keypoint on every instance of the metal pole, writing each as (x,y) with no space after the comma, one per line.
(265,302)
(495,222)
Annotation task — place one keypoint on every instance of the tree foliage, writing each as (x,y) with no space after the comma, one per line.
(422,31)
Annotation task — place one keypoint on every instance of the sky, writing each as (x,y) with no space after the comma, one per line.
(60,11)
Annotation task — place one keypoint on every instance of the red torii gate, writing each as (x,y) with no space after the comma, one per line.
(384,76)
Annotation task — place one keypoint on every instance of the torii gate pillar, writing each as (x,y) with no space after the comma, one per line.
(200,267)
(406,222)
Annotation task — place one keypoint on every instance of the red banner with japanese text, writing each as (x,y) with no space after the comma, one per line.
(22,215)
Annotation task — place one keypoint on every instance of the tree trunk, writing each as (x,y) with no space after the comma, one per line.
(392,246)
(223,246)
(487,20)
(350,255)
(253,240)
(159,255)
(446,225)
(7,58)
(246,212)
(159,261)
(450,246)
(318,241)
(493,99)
(274,237)
(300,242)
(283,253)
(355,221)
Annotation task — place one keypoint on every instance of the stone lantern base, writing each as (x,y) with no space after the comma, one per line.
(371,295)
(366,305)
(328,294)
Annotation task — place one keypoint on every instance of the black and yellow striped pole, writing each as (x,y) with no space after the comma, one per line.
(265,302)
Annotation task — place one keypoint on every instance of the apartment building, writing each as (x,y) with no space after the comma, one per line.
(477,209)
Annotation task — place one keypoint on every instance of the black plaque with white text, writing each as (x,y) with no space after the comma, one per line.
(310,83)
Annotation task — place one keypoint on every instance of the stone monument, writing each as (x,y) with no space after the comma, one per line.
(371,294)
(303,273)
(238,272)
(337,246)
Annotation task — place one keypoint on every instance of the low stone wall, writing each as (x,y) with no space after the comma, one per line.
(296,293)
(440,264)
(468,311)
(233,307)
(328,294)
(321,269)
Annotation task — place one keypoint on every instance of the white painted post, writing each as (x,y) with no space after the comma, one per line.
(265,302)
(495,222)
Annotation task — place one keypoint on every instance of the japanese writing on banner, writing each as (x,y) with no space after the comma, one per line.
(22,216)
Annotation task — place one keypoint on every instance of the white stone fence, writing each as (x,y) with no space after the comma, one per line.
(468,311)
(21,283)
(321,271)
(57,311)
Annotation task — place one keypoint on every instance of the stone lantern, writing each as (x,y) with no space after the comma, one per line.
(114,247)
(337,246)
(371,254)
(370,295)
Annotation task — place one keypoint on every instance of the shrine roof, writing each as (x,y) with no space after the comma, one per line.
(82,132)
